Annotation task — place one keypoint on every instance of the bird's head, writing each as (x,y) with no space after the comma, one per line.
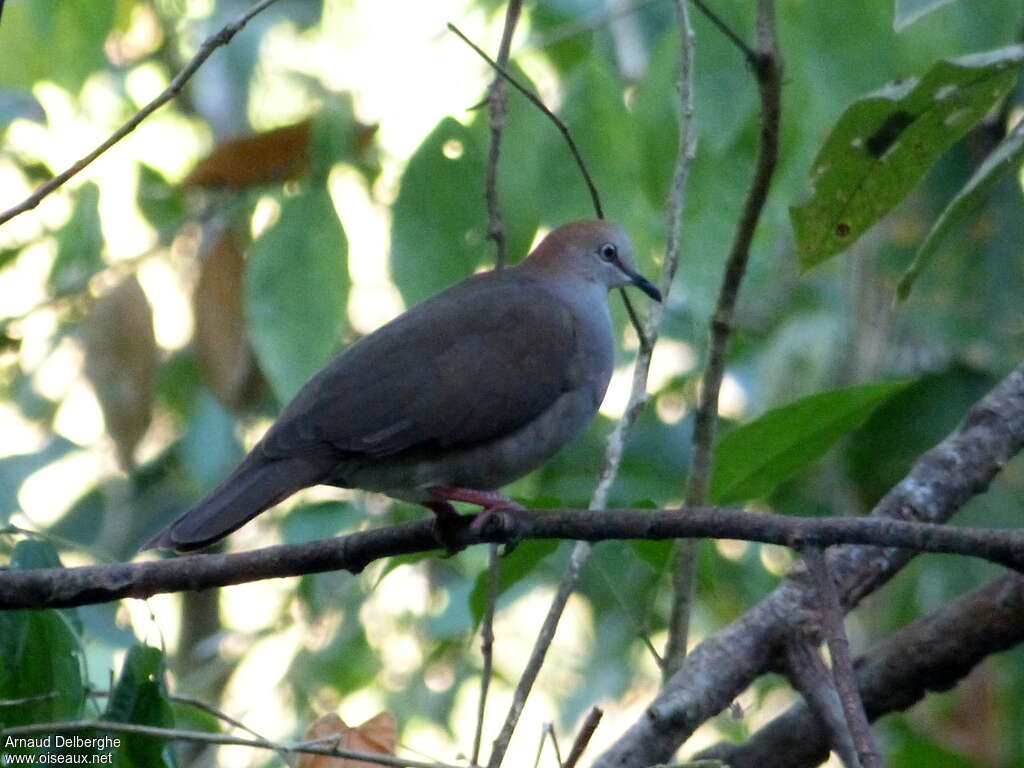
(593,250)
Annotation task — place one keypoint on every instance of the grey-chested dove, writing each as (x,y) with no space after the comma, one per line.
(460,395)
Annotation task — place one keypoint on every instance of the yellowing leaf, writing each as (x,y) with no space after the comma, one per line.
(225,356)
(120,361)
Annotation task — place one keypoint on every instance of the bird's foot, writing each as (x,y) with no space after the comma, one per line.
(500,522)
(447,523)
(499,517)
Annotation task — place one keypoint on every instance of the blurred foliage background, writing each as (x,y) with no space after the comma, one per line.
(325,170)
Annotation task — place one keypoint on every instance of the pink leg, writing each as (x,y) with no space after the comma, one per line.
(498,510)
(487,499)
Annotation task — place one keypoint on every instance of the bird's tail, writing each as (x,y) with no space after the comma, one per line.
(256,485)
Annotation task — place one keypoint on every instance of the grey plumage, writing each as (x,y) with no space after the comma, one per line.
(472,388)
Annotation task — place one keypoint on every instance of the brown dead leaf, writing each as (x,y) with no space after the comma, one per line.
(225,357)
(378,735)
(120,362)
(268,157)
(261,158)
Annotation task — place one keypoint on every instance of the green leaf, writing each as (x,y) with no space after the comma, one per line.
(909,11)
(885,142)
(751,460)
(57,40)
(33,553)
(14,470)
(656,115)
(161,203)
(321,520)
(296,285)
(437,234)
(79,244)
(656,554)
(333,137)
(399,560)
(885,447)
(40,654)
(140,697)
(188,717)
(15,103)
(209,447)
(603,130)
(520,171)
(1005,157)
(512,569)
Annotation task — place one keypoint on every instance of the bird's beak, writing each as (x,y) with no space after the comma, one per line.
(643,284)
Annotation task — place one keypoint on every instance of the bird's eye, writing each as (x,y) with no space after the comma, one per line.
(608,252)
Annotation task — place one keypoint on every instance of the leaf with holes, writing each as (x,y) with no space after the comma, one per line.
(1006,157)
(296,291)
(437,234)
(885,142)
(140,697)
(909,11)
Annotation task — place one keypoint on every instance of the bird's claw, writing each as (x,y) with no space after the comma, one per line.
(503,523)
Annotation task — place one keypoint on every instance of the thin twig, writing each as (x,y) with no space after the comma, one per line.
(645,344)
(767,65)
(586,733)
(201,705)
(219,714)
(627,611)
(29,699)
(486,648)
(498,104)
(638,392)
(212,43)
(807,672)
(204,737)
(535,100)
(540,747)
(726,30)
(831,615)
(550,727)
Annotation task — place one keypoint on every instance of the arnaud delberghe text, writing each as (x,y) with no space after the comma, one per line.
(56,741)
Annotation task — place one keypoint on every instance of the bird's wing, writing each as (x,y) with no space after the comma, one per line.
(457,369)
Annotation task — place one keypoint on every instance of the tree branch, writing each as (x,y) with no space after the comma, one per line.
(648,335)
(932,654)
(535,100)
(767,66)
(212,43)
(85,585)
(724,664)
(498,105)
(831,616)
(584,736)
(808,674)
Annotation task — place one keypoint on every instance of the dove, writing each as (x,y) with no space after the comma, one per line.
(462,394)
